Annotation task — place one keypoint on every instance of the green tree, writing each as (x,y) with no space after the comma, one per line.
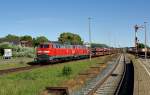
(11,37)
(70,38)
(2,40)
(26,38)
(38,40)
(141,45)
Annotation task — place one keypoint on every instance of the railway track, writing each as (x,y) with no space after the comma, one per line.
(111,82)
(11,70)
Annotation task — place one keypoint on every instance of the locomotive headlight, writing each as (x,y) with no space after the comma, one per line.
(39,51)
(143,50)
(46,51)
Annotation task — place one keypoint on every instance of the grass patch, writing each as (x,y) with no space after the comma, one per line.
(34,81)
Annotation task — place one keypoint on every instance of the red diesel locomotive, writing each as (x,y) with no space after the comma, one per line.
(54,52)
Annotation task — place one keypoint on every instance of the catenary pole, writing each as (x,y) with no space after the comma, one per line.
(90,41)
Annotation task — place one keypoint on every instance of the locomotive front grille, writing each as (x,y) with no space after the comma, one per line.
(43,58)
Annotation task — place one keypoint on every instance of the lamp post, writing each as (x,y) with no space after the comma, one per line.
(145,41)
(90,41)
(136,40)
(136,43)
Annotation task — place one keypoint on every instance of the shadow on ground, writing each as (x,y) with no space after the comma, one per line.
(128,82)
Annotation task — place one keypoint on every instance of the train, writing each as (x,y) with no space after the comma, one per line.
(138,52)
(55,52)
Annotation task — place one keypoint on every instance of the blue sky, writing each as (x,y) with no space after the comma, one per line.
(112,20)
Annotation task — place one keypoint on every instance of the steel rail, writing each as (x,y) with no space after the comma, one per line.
(122,78)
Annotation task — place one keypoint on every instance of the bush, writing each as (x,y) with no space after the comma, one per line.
(4,45)
(23,52)
(66,70)
(18,51)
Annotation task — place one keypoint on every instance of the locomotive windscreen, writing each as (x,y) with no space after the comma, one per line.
(44,46)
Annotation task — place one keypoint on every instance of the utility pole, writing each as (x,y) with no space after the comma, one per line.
(90,41)
(145,41)
(136,40)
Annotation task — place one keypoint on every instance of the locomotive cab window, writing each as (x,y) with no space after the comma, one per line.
(44,46)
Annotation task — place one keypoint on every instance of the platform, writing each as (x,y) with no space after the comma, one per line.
(142,77)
